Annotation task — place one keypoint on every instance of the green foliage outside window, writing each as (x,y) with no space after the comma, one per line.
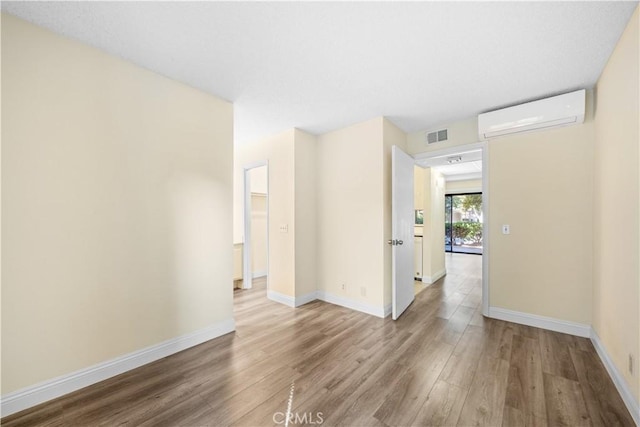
(468,231)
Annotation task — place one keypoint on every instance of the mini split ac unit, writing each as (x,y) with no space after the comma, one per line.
(561,110)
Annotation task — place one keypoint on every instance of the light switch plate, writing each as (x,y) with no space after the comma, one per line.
(284,228)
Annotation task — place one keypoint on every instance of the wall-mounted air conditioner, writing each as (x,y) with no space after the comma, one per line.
(561,110)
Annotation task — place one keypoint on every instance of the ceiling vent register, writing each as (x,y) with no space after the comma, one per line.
(437,136)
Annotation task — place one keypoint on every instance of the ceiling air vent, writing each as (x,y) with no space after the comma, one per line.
(437,136)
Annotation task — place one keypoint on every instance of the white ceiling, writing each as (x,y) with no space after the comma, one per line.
(322,66)
(456,167)
(461,171)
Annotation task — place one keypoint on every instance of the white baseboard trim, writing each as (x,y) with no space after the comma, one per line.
(564,326)
(623,388)
(281,298)
(291,301)
(353,305)
(56,387)
(330,298)
(387,310)
(258,274)
(306,299)
(433,279)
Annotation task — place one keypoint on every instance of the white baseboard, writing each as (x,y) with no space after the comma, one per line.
(353,305)
(387,310)
(623,388)
(330,298)
(306,299)
(564,326)
(56,387)
(291,301)
(281,298)
(434,278)
(258,274)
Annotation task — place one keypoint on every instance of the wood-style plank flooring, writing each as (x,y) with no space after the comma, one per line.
(440,364)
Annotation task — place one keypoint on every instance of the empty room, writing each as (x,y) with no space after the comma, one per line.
(320,213)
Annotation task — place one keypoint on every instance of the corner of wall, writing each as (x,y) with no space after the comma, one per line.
(305,149)
(350,205)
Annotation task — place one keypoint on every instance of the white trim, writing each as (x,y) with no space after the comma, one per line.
(429,280)
(281,298)
(258,274)
(464,177)
(56,387)
(549,323)
(387,310)
(456,149)
(290,301)
(305,299)
(247,275)
(623,388)
(464,190)
(353,305)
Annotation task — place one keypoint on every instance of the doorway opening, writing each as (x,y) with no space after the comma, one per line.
(463,223)
(464,219)
(255,272)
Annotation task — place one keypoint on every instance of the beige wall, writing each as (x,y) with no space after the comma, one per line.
(116,207)
(305,213)
(259,202)
(351,213)
(616,296)
(237,262)
(541,185)
(460,132)
(392,135)
(418,188)
(258,234)
(259,180)
(466,186)
(279,152)
(433,261)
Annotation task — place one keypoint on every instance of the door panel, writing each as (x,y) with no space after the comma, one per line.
(402,218)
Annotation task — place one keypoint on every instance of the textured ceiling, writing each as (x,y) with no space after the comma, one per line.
(322,66)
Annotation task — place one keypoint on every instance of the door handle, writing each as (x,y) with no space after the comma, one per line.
(399,242)
(393,242)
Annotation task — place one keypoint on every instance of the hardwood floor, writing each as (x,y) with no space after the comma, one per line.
(441,363)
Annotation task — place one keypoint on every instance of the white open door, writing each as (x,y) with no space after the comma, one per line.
(402,219)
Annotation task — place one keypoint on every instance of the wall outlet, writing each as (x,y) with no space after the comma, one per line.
(506,229)
(631,363)
(343,286)
(363,291)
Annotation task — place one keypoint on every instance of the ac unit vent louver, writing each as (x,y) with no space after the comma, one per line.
(437,136)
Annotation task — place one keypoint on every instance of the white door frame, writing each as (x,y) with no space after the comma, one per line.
(247,274)
(483,146)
